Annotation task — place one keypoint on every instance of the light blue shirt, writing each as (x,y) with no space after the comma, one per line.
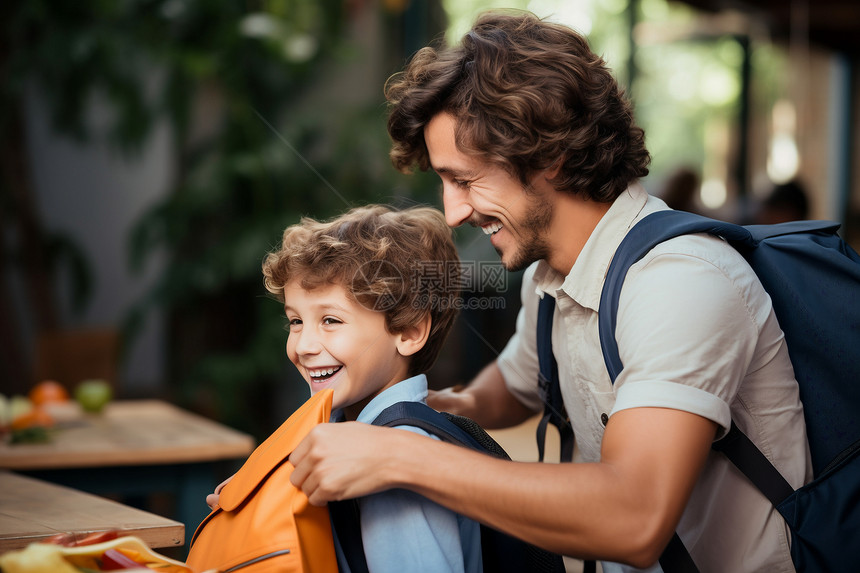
(403,531)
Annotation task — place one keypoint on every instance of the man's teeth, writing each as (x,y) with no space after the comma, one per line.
(491,228)
(321,372)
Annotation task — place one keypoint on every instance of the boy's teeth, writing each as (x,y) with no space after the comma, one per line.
(491,228)
(320,372)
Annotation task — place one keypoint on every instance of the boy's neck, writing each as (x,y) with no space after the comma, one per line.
(352,411)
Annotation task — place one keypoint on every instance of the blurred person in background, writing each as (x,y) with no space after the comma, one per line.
(786,202)
(680,190)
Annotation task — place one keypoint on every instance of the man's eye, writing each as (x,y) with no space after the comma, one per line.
(462,184)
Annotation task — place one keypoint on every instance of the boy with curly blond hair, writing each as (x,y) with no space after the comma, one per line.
(369,297)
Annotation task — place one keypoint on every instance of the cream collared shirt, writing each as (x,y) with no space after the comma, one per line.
(696,332)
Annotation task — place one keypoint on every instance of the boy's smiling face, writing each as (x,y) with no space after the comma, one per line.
(337,343)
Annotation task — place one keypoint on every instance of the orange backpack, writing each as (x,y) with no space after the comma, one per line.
(263,523)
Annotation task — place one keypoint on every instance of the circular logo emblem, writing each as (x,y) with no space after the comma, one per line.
(378,285)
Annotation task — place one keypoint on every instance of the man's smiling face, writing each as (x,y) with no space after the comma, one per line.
(485,195)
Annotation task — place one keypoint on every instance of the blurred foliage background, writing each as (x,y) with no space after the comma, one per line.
(264,129)
(252,155)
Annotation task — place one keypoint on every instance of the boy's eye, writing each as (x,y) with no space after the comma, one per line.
(330,320)
(293,323)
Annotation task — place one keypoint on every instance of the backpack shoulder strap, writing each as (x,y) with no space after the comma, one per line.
(433,422)
(554,411)
(662,226)
(644,236)
(550,390)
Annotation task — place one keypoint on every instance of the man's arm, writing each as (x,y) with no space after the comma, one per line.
(623,508)
(486,400)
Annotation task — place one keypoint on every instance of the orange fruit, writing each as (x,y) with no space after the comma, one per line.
(37,417)
(48,391)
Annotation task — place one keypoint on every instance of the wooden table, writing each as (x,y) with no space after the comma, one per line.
(137,448)
(31,510)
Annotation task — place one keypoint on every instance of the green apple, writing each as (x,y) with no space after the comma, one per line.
(92,395)
(19,406)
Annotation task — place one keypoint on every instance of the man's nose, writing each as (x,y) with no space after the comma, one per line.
(456,205)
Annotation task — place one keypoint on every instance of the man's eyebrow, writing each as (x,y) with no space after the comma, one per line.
(453,171)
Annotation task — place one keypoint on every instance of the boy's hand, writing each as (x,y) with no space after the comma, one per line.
(213,498)
(343,461)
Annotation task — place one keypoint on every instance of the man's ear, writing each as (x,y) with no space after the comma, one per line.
(553,170)
(414,338)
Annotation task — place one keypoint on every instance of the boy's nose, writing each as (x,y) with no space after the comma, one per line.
(457,207)
(308,343)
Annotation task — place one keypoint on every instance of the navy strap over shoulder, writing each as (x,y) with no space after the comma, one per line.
(662,226)
(549,387)
(813,279)
(424,417)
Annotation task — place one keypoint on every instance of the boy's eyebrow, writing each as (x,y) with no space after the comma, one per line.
(321,306)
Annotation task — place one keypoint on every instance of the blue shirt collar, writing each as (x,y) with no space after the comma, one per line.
(410,390)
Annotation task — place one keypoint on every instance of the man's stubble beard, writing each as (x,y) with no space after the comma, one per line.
(531,243)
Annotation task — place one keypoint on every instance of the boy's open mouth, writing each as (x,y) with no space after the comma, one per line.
(322,374)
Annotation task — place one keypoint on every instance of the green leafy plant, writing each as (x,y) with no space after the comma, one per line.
(228,77)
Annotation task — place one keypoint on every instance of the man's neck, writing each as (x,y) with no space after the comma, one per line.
(573,222)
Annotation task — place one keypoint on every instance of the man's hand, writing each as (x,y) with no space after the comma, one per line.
(343,461)
(486,400)
(453,400)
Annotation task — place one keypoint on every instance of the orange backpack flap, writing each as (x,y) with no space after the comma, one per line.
(263,523)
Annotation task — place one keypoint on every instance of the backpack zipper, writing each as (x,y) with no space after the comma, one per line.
(256,560)
(847,452)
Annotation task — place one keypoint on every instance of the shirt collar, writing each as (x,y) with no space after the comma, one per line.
(585,280)
(412,389)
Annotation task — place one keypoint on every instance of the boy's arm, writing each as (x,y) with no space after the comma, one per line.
(486,400)
(623,508)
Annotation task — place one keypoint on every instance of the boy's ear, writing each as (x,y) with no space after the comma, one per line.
(413,339)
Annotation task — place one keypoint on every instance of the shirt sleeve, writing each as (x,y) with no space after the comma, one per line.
(689,342)
(518,361)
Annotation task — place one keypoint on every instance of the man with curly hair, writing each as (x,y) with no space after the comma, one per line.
(535,143)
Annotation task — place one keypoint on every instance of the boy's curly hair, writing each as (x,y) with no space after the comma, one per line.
(527,95)
(400,262)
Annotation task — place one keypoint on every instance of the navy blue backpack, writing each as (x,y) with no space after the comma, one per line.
(813,279)
(501,553)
